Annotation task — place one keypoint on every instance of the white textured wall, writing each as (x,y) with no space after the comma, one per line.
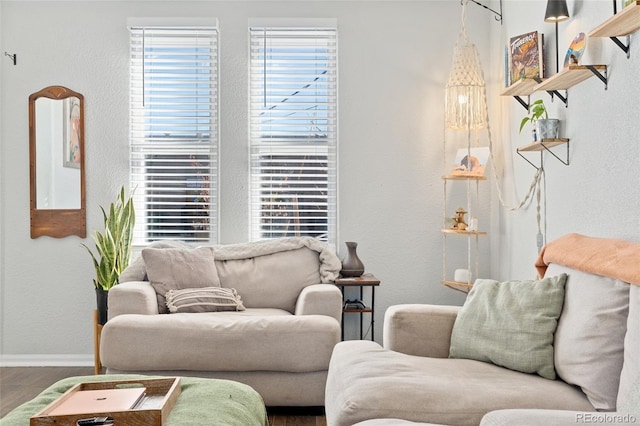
(394,62)
(598,194)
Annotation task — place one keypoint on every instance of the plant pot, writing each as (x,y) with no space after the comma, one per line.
(102,305)
(547,128)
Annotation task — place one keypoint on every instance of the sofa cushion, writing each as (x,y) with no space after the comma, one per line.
(273,280)
(174,269)
(205,299)
(366,382)
(250,340)
(630,376)
(589,341)
(510,324)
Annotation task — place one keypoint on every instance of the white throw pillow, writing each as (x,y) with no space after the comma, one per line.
(589,341)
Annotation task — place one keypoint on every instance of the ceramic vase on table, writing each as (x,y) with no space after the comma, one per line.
(352,266)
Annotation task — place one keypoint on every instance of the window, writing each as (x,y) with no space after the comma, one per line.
(174,133)
(293,133)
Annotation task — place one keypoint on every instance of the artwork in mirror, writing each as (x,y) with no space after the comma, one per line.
(56,154)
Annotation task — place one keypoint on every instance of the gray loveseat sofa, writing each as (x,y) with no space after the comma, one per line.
(280,344)
(595,356)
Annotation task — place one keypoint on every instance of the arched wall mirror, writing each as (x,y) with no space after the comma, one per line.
(56,163)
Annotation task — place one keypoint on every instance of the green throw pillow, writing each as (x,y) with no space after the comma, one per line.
(510,324)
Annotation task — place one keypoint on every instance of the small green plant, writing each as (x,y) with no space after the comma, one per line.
(114,244)
(536,111)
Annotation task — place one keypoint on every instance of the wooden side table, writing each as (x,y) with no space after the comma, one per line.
(367,280)
(97,331)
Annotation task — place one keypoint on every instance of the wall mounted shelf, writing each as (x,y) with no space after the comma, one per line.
(568,77)
(623,23)
(545,145)
(463,287)
(455,231)
(456,177)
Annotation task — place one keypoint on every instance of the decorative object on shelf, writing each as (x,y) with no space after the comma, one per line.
(575,51)
(470,162)
(544,127)
(113,247)
(526,57)
(473,224)
(556,11)
(458,220)
(352,266)
(462,275)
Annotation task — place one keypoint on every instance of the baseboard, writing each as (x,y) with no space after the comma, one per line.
(79,360)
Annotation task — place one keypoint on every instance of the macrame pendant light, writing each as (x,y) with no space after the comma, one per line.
(465,101)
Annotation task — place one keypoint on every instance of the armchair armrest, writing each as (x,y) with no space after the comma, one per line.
(133,297)
(320,299)
(423,330)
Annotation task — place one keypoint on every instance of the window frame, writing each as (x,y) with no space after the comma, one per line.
(280,144)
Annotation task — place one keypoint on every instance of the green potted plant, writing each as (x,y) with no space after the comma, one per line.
(113,248)
(544,127)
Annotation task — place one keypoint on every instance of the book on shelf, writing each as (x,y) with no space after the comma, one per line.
(525,58)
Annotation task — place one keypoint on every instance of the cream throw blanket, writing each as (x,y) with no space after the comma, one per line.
(601,256)
(330,265)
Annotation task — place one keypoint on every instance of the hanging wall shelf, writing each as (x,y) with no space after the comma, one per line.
(623,23)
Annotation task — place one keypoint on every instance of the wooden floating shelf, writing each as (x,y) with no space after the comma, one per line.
(569,77)
(623,23)
(469,177)
(543,144)
(463,287)
(455,231)
(523,87)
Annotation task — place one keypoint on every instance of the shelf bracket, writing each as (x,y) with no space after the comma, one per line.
(564,99)
(566,163)
(498,16)
(522,102)
(528,161)
(597,73)
(626,48)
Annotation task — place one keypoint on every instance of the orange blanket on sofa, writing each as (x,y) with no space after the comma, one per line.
(601,256)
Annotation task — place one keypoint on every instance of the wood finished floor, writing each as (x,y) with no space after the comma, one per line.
(20,384)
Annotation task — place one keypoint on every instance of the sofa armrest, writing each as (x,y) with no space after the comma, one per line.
(423,330)
(320,299)
(133,297)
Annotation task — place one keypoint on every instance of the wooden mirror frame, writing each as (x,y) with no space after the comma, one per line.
(57,223)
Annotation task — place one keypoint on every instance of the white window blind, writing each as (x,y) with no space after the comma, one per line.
(174,133)
(293,133)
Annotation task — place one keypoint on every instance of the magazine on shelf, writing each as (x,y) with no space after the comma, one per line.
(526,56)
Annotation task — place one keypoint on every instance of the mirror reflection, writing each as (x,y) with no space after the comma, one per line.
(58,153)
(56,161)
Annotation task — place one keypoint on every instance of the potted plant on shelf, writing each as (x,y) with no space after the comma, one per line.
(544,127)
(113,247)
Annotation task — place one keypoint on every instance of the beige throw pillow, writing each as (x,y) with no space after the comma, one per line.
(207,299)
(510,324)
(175,269)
